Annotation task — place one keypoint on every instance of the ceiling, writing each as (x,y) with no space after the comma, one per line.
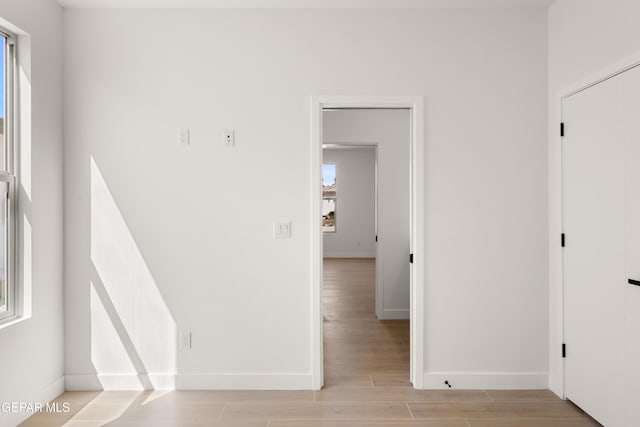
(303,4)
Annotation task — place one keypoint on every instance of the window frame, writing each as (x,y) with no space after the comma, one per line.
(8,175)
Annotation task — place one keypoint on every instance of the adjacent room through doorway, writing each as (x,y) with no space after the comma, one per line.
(366,236)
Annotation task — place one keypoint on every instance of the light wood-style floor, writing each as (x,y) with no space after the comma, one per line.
(366,384)
(360,350)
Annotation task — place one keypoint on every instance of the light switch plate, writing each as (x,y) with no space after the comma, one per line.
(281,230)
(185,340)
(184,136)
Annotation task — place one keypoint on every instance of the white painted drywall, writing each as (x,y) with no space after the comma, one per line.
(355,233)
(201,216)
(587,40)
(32,359)
(390,131)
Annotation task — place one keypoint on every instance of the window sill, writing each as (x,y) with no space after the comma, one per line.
(10,321)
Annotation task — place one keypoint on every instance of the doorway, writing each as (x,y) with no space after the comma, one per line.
(413,249)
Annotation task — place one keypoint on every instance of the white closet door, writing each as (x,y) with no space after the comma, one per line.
(631,85)
(594,274)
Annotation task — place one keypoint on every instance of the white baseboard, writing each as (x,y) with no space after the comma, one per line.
(244,382)
(45,395)
(462,381)
(349,255)
(189,382)
(394,314)
(52,391)
(120,382)
(487,381)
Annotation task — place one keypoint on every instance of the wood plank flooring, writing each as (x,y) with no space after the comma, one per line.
(366,384)
(359,350)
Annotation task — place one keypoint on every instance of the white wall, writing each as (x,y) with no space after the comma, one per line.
(587,40)
(197,220)
(390,130)
(355,234)
(31,359)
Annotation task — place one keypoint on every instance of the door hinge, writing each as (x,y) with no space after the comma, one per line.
(410,258)
(562,240)
(564,350)
(562,129)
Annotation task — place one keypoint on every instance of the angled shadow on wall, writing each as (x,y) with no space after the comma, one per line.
(133,334)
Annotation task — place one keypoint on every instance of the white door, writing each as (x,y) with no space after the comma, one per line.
(594,258)
(631,87)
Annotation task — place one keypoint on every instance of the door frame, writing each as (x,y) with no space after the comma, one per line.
(556,218)
(417,164)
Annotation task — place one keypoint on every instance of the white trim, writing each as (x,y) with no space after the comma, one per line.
(244,382)
(52,391)
(395,314)
(317,373)
(417,243)
(350,255)
(487,380)
(47,394)
(120,382)
(556,271)
(13,286)
(94,382)
(416,104)
(603,74)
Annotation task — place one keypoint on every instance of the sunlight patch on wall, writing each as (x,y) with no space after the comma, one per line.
(124,294)
(108,353)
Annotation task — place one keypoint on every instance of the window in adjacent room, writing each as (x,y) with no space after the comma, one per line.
(329,198)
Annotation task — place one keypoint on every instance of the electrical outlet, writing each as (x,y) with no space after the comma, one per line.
(229,139)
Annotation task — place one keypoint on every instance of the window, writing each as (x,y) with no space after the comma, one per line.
(329,198)
(7,178)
